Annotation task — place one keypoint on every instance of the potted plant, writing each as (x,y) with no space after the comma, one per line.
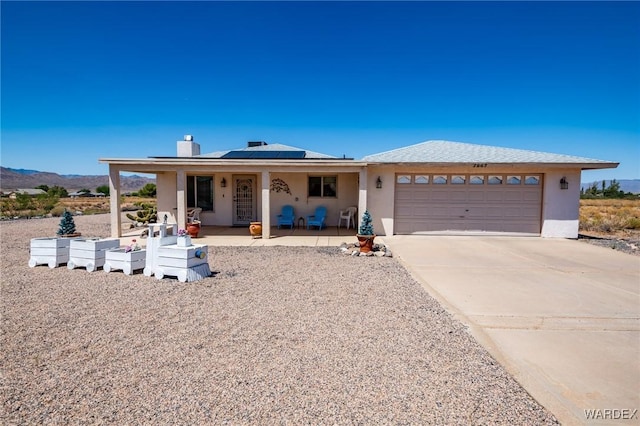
(193,228)
(365,233)
(184,240)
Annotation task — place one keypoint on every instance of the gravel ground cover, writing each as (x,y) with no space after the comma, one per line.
(278,335)
(627,244)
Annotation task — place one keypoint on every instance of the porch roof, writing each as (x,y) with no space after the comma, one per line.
(194,164)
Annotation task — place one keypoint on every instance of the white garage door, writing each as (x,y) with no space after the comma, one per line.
(472,202)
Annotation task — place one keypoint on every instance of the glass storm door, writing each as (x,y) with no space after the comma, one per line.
(244,200)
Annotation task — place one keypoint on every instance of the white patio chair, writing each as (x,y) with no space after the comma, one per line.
(193,214)
(348,215)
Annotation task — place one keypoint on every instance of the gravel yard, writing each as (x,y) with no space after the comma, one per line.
(278,335)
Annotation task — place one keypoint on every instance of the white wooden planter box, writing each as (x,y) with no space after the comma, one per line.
(182,262)
(183,241)
(127,261)
(49,251)
(90,252)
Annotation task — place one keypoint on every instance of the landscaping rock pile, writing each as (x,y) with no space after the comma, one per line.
(353,249)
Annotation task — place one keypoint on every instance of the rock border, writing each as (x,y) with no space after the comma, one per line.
(353,249)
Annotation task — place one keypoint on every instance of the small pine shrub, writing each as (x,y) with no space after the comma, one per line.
(67,225)
(366,227)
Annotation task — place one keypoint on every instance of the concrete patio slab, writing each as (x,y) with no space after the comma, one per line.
(562,316)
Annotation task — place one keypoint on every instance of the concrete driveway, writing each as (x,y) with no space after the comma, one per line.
(562,316)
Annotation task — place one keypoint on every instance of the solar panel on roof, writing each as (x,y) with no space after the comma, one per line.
(265,155)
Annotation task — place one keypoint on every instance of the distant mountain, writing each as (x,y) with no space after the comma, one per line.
(626,185)
(20,178)
(25,171)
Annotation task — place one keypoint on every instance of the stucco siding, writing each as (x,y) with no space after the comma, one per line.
(561,207)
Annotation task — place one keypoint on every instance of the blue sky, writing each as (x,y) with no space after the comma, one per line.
(87,80)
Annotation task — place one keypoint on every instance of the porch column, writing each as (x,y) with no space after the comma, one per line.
(181,199)
(114,201)
(266,204)
(362,195)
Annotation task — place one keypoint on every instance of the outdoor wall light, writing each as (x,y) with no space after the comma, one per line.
(563,183)
(379,183)
(223,183)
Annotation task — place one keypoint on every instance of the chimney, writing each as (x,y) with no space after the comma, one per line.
(251,144)
(187,147)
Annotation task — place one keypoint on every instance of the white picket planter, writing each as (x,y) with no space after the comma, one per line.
(49,251)
(127,261)
(90,252)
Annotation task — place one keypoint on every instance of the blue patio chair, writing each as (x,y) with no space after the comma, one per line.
(286,217)
(318,218)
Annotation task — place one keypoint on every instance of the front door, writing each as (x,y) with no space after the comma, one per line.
(244,199)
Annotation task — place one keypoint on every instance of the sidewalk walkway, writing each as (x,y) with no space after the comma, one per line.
(228,236)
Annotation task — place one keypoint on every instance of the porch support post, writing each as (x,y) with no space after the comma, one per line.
(362,194)
(114,201)
(181,198)
(266,204)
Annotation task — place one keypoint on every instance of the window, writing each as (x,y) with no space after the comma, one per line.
(513,180)
(495,180)
(532,180)
(440,179)
(403,179)
(422,179)
(476,180)
(200,192)
(458,179)
(323,186)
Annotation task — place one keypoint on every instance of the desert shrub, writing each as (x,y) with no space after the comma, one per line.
(45,202)
(57,211)
(609,215)
(633,223)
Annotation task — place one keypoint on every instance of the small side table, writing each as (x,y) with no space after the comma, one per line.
(301,221)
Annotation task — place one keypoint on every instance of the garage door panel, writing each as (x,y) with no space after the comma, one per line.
(458,195)
(512,195)
(476,195)
(465,207)
(440,195)
(494,195)
(533,196)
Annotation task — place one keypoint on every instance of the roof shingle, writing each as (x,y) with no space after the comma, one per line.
(458,152)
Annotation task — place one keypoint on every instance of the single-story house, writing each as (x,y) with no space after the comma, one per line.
(78,194)
(430,187)
(32,192)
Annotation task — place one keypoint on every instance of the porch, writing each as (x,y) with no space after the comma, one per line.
(330,236)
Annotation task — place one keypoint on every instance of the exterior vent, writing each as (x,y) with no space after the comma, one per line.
(251,144)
